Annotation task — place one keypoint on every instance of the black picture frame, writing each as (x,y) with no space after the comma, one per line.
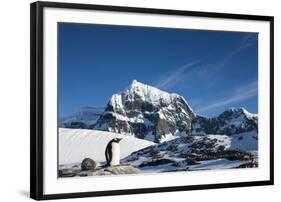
(36,99)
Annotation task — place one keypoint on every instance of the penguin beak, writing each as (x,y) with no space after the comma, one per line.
(119,139)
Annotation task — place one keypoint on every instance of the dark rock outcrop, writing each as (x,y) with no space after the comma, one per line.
(88,164)
(99,171)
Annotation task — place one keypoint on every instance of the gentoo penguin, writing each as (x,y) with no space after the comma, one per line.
(112,152)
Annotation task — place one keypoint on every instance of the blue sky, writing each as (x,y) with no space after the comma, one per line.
(213,70)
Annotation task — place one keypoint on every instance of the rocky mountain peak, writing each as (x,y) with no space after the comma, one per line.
(237,112)
(135,83)
(147,93)
(231,121)
(146,112)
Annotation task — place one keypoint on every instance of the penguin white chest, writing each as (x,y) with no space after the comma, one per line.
(115,160)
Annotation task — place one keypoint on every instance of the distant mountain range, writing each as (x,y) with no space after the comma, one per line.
(84,118)
(148,113)
(231,121)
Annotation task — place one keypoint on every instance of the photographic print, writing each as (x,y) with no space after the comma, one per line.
(138,100)
(128,100)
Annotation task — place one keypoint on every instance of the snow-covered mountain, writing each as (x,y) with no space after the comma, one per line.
(84,118)
(147,113)
(78,144)
(231,121)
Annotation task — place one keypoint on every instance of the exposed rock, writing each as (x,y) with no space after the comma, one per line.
(99,171)
(88,164)
(68,172)
(121,169)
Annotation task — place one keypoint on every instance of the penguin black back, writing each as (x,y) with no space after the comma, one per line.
(108,150)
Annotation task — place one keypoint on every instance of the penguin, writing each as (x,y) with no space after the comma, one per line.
(112,152)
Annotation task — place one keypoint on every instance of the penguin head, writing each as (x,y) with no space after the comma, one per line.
(117,140)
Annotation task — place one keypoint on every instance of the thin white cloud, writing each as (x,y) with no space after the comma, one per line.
(246,42)
(241,93)
(169,80)
(172,79)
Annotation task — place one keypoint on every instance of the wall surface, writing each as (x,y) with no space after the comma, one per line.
(14,100)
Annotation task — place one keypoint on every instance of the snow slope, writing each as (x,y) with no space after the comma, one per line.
(247,141)
(197,152)
(77,144)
